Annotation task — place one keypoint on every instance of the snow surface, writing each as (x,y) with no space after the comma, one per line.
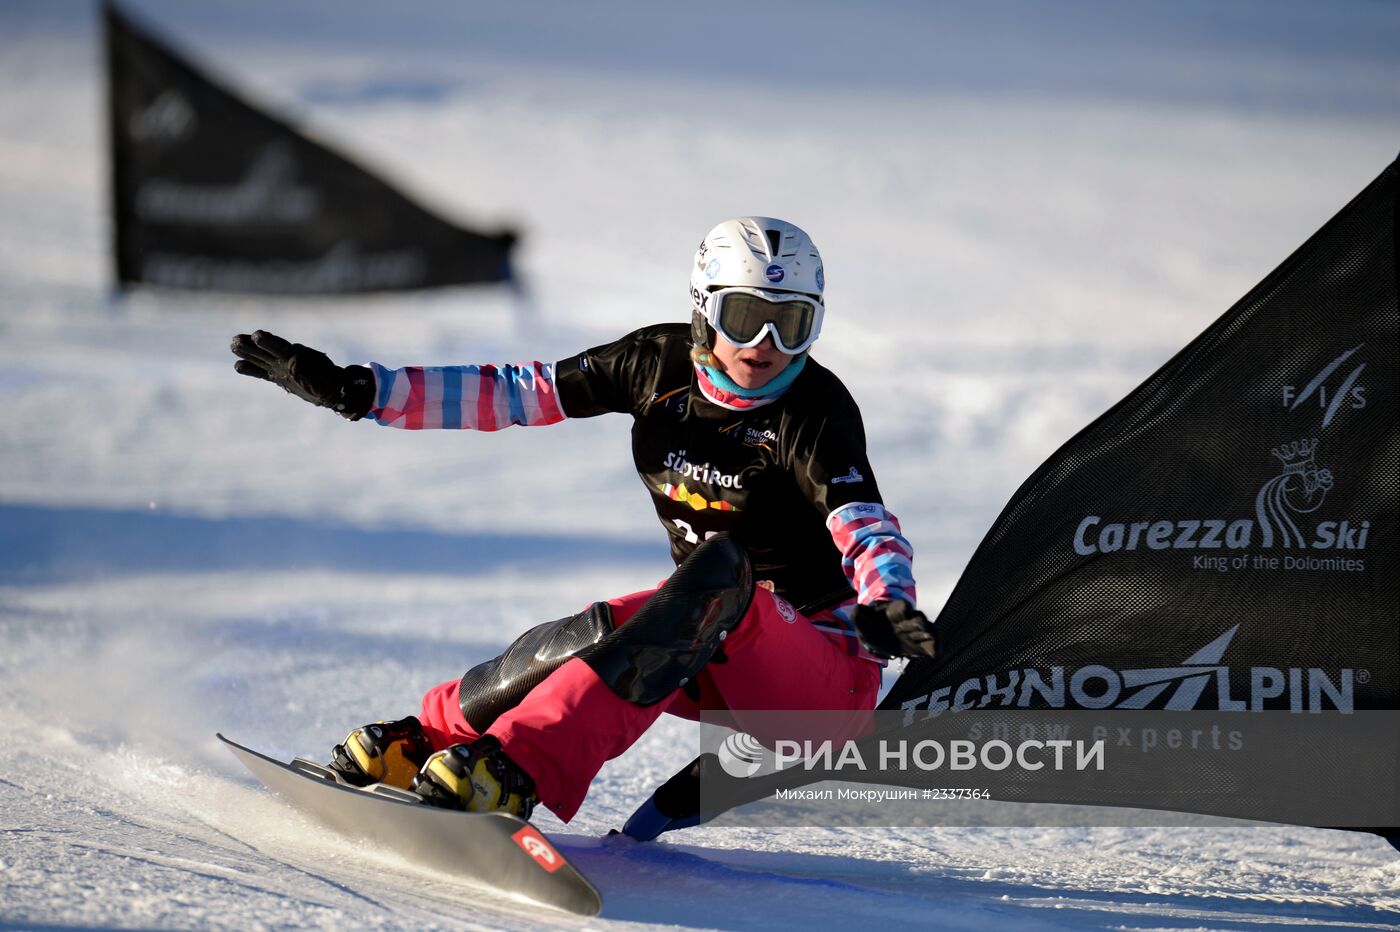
(1024,209)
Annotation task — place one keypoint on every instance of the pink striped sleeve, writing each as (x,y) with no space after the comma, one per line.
(465,397)
(876,556)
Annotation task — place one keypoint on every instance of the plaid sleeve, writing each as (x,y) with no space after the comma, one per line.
(465,397)
(875,555)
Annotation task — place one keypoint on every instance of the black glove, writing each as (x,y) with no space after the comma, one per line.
(894,629)
(307,373)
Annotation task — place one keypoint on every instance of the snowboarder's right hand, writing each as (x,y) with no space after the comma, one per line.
(894,628)
(307,373)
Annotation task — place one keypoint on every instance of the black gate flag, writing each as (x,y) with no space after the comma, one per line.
(1224,537)
(213,194)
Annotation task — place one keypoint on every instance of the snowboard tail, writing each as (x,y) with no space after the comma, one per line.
(494,848)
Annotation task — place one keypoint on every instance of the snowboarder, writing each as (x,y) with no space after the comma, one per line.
(794,582)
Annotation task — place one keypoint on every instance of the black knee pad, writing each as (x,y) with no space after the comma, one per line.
(491,688)
(678,630)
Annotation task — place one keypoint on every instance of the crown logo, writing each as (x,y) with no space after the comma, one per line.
(1300,488)
(1296,456)
(1297,459)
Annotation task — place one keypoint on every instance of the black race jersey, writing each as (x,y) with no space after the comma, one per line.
(770,475)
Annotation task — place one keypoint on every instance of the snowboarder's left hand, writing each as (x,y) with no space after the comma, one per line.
(895,628)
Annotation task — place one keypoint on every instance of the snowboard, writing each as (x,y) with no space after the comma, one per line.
(496,849)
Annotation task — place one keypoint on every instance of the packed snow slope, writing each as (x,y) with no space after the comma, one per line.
(1024,208)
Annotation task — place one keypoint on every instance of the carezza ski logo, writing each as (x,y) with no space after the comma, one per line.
(1281,510)
(1175,688)
(850,477)
(536,847)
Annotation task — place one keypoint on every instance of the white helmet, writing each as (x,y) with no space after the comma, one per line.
(758,258)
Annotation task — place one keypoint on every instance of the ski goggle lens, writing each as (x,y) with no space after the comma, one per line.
(741,318)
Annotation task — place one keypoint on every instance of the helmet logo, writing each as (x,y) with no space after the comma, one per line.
(821,278)
(774,273)
(712,269)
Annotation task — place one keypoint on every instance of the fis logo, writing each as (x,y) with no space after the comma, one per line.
(1348,393)
(1176,688)
(673,401)
(169,118)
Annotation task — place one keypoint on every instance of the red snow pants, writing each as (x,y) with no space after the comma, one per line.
(568,726)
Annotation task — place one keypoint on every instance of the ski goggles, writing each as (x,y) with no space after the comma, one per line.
(744,316)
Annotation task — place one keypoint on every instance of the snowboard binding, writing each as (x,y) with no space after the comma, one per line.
(477,777)
(382,752)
